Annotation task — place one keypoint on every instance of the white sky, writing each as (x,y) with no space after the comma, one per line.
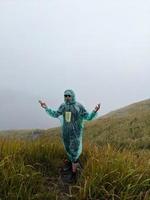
(100,49)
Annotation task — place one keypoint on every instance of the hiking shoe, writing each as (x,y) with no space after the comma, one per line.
(67,165)
(69,177)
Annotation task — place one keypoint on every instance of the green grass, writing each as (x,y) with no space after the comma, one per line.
(29,170)
(114,174)
(128,127)
(116,160)
(25,167)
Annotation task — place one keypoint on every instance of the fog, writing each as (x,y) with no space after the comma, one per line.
(100,49)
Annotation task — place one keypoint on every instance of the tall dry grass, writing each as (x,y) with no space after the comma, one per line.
(29,170)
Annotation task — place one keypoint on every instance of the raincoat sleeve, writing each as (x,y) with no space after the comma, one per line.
(85,115)
(54,113)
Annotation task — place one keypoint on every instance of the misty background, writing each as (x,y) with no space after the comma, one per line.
(100,49)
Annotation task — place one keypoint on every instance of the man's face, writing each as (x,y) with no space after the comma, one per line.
(67,97)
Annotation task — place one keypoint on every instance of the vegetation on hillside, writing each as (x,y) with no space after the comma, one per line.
(128,127)
(116,160)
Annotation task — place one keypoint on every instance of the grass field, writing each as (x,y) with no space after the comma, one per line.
(116,160)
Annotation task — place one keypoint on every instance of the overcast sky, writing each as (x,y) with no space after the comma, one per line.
(100,49)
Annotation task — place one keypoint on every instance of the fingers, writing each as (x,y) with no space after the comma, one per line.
(43,105)
(97,107)
(40,101)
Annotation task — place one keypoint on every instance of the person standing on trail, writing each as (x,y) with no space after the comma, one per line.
(73,114)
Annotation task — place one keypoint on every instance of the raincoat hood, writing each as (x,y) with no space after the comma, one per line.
(72,94)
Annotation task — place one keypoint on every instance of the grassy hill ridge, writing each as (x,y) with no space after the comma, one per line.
(142,106)
(116,160)
(126,127)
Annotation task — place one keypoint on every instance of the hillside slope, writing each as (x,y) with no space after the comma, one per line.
(126,127)
(29,165)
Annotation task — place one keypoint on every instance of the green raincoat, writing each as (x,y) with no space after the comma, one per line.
(73,114)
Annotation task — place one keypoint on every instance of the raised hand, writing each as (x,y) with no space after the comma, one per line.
(43,105)
(97,107)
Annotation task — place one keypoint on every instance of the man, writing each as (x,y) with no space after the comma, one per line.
(73,114)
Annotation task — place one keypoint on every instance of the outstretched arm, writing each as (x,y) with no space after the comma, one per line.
(89,116)
(51,112)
